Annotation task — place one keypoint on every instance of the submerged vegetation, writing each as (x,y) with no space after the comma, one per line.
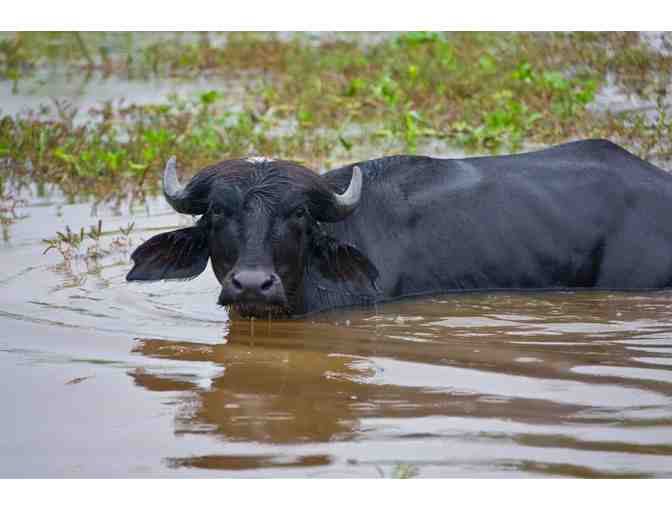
(323,100)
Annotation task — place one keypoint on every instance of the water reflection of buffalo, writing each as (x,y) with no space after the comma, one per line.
(284,240)
(283,383)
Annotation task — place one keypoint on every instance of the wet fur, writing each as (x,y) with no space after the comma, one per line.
(275,188)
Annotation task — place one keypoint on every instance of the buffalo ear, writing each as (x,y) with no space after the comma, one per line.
(179,254)
(342,262)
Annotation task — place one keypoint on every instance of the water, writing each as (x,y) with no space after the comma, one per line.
(105,378)
(89,91)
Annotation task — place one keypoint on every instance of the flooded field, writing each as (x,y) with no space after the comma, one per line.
(102,378)
(105,378)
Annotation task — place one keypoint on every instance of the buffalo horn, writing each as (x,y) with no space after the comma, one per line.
(175,193)
(348,200)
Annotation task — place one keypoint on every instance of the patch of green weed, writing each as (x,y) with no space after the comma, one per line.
(483,92)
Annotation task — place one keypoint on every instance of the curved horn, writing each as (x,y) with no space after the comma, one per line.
(349,199)
(175,193)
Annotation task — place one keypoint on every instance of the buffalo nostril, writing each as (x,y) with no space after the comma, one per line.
(236,283)
(267,284)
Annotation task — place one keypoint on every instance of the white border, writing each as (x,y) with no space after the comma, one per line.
(337,15)
(335,494)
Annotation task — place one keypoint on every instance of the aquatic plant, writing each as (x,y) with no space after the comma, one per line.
(404,471)
(9,204)
(86,244)
(321,103)
(8,208)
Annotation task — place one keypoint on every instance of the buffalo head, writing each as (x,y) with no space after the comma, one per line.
(262,225)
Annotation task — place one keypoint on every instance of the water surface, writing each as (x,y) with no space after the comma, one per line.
(105,378)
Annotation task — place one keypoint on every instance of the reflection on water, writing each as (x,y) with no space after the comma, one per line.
(104,378)
(468,386)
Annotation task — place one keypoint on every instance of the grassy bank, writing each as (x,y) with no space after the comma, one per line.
(325,100)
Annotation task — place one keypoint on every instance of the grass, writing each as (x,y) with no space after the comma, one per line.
(8,211)
(86,244)
(323,102)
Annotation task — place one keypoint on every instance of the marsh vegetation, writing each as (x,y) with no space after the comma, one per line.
(323,99)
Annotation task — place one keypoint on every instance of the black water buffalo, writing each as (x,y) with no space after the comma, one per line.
(285,241)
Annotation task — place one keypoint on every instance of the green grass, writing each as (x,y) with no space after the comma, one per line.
(323,103)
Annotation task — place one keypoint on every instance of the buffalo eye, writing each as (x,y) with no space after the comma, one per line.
(217,211)
(299,213)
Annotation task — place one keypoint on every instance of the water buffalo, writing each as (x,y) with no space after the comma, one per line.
(285,241)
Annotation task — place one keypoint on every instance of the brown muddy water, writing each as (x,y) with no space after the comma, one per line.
(104,378)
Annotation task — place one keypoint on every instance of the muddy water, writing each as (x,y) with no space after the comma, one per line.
(104,378)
